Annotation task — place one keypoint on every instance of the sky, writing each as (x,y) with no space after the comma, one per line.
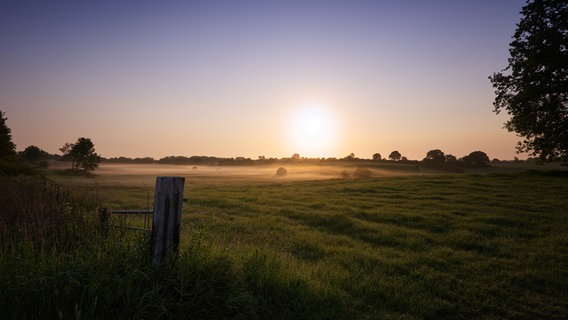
(257,78)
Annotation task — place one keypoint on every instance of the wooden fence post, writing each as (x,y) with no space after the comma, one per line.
(104,214)
(168,200)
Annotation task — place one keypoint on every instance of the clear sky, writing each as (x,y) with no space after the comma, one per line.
(250,78)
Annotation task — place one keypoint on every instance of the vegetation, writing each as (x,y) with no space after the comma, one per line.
(395,156)
(7,147)
(10,164)
(35,156)
(82,154)
(35,218)
(476,159)
(406,247)
(533,87)
(435,156)
(14,167)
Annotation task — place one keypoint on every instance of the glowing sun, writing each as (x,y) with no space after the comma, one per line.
(313,130)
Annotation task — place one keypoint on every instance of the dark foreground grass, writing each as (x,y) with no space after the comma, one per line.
(425,247)
(81,275)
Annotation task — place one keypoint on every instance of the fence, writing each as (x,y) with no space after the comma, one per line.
(105,219)
(59,193)
(166,222)
(68,200)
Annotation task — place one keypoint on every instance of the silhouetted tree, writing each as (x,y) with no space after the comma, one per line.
(66,150)
(476,159)
(533,88)
(33,154)
(377,157)
(450,158)
(7,147)
(83,154)
(296,157)
(435,156)
(395,155)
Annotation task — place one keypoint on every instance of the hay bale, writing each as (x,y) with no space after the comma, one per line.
(281,172)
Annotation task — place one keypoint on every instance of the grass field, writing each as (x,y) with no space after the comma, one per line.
(399,245)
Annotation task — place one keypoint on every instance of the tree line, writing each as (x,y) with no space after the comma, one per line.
(83,157)
(81,154)
(433,158)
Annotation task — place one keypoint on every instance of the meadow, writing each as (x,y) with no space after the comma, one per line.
(316,244)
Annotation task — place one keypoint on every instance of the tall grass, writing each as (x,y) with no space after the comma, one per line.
(423,247)
(55,264)
(32,216)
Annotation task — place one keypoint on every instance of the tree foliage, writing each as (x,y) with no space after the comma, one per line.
(450,158)
(435,156)
(7,147)
(533,88)
(476,159)
(33,154)
(377,156)
(82,154)
(395,155)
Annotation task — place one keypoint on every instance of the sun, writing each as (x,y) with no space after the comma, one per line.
(313,130)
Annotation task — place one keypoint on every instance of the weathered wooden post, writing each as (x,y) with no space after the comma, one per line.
(104,214)
(168,200)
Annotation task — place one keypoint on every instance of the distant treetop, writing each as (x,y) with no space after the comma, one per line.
(7,147)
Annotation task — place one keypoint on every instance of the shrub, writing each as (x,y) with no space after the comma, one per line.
(15,168)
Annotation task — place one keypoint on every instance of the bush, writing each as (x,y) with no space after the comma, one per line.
(15,168)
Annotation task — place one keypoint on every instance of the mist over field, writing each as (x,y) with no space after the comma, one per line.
(252,173)
(295,172)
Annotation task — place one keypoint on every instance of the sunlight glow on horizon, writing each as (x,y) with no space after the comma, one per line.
(313,130)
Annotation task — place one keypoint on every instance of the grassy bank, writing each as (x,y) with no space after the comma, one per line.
(406,247)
